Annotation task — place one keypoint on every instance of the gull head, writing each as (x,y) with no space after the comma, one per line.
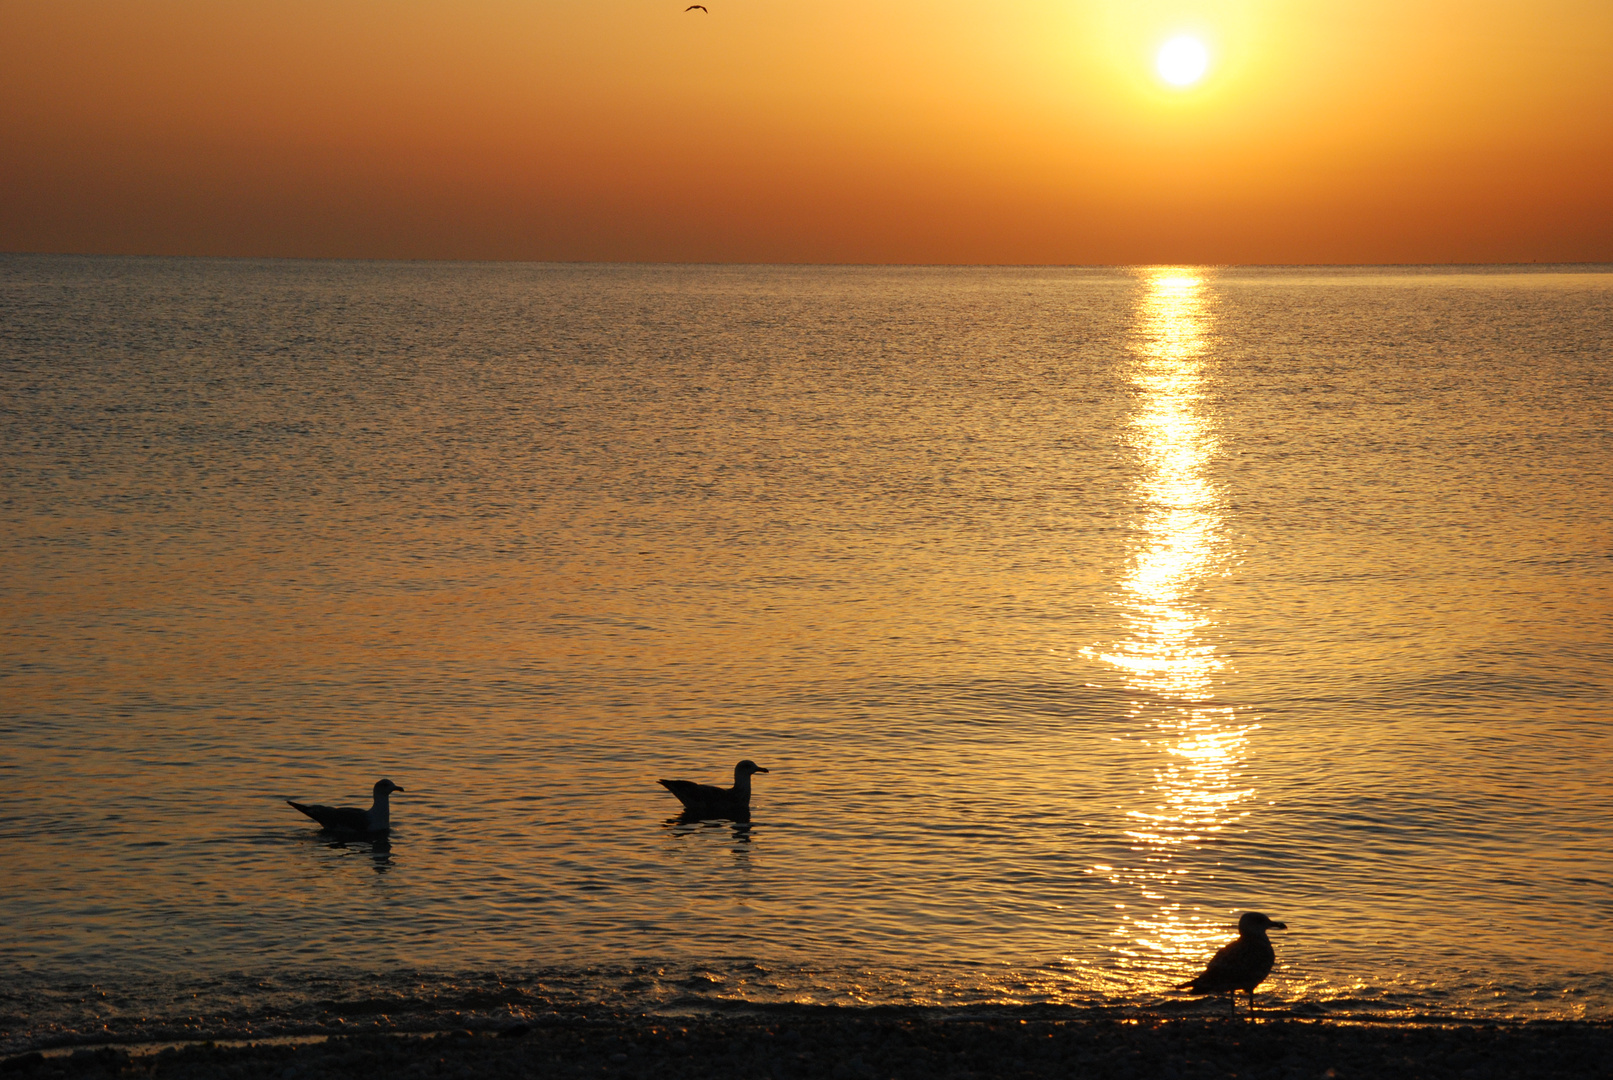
(748,766)
(1252,922)
(385,787)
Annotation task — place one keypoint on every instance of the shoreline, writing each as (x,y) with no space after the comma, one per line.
(884,1044)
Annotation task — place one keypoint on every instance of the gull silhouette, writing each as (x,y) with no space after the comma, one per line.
(696,7)
(377,819)
(1241,964)
(708,801)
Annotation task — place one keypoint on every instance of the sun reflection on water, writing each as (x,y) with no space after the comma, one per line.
(1167,655)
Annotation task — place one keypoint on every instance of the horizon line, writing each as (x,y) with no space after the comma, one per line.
(824,265)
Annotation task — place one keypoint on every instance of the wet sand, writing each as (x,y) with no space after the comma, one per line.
(890,1045)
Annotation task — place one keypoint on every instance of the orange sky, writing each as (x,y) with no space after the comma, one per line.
(809,130)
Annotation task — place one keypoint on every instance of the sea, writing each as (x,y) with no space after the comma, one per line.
(1071,611)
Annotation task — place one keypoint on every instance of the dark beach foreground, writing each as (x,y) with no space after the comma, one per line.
(881,1045)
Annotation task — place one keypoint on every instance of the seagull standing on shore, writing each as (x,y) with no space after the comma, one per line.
(1240,964)
(707,801)
(376,819)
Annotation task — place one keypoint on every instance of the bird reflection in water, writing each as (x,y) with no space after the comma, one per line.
(687,824)
(378,847)
(1166,654)
(381,855)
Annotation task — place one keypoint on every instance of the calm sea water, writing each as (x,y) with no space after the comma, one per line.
(1073,612)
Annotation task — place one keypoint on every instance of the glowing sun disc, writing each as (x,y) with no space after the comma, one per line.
(1182,61)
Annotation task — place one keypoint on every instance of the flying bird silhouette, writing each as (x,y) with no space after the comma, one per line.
(707,801)
(1241,964)
(376,819)
(696,7)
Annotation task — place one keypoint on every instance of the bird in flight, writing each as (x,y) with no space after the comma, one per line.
(693,7)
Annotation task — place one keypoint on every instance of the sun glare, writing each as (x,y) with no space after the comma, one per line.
(1182,61)
(1179,543)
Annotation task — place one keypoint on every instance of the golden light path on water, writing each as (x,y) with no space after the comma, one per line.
(1166,655)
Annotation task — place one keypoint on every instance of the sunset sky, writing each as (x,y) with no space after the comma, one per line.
(933,131)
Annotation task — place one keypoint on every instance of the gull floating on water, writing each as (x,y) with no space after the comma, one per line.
(350,818)
(706,801)
(1240,964)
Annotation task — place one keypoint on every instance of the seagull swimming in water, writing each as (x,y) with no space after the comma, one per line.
(1240,964)
(707,801)
(351,818)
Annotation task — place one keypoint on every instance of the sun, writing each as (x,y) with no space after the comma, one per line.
(1182,61)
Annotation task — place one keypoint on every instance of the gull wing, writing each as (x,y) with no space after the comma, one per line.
(690,793)
(336,817)
(1227,970)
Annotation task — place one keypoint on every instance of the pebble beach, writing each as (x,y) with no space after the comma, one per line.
(885,1045)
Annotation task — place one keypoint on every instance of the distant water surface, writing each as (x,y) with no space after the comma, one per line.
(1073,612)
